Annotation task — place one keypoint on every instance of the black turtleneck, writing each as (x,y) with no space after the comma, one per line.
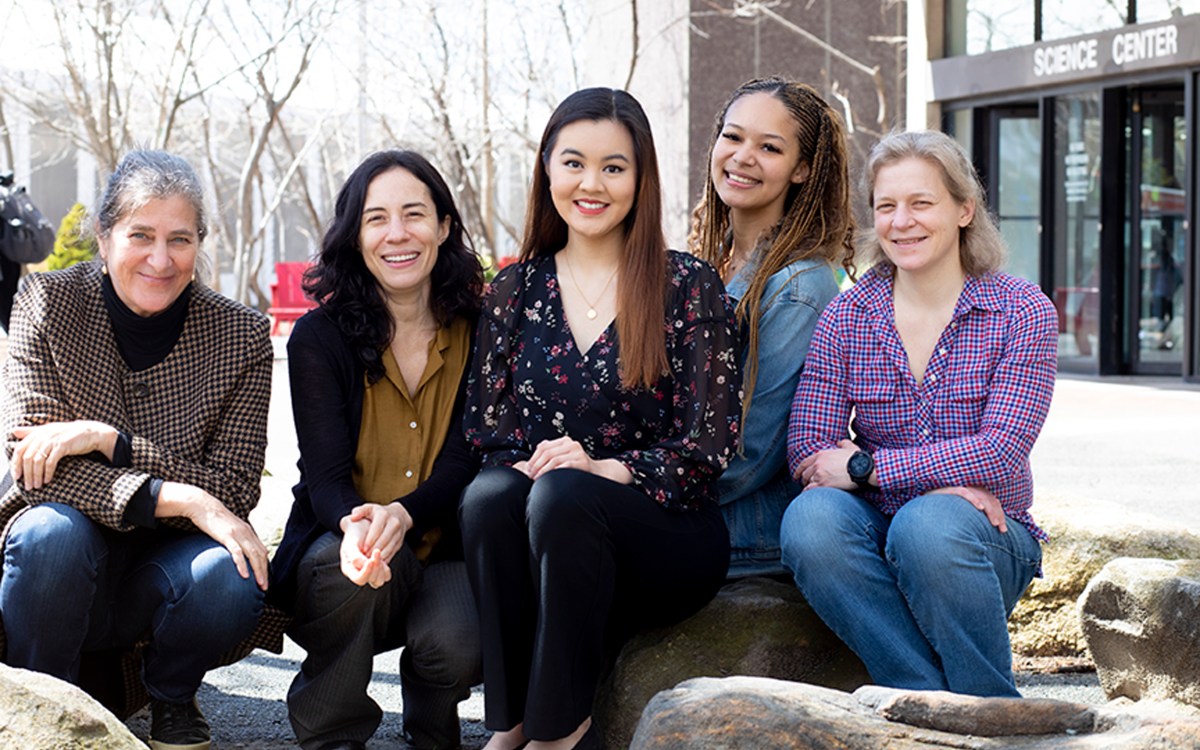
(143,342)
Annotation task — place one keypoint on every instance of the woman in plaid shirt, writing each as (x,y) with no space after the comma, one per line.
(914,541)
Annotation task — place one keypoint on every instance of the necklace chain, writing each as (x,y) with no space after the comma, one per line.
(591,311)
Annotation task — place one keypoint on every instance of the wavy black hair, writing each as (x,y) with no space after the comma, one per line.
(341,284)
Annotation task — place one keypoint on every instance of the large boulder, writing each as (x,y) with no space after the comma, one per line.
(1141,618)
(40,711)
(750,713)
(755,626)
(1046,621)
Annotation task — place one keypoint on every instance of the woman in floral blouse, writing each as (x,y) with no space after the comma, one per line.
(604,397)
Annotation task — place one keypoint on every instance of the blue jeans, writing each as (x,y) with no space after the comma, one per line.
(753,522)
(71,585)
(922,597)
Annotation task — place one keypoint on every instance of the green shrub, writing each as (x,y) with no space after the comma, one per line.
(72,246)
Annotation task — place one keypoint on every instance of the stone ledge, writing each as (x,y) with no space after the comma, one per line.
(1046,620)
(749,712)
(39,711)
(755,626)
(1141,618)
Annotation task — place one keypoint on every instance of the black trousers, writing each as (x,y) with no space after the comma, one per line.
(565,568)
(429,611)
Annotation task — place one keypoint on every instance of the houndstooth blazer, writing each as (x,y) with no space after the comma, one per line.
(198,417)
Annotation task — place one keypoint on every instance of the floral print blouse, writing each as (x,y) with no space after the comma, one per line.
(530,383)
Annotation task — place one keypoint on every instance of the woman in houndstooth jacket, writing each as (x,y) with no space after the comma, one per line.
(136,428)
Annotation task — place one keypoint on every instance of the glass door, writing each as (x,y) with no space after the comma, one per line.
(1076,186)
(1014,189)
(1158,247)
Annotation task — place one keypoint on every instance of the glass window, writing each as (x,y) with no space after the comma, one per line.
(1076,187)
(1149,11)
(957,124)
(1162,204)
(1018,186)
(1064,18)
(976,26)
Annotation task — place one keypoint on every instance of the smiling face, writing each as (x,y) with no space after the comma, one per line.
(917,221)
(592,171)
(756,157)
(400,233)
(150,254)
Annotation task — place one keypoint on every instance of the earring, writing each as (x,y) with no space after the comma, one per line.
(104,268)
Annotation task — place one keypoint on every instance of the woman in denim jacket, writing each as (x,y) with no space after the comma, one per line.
(774,218)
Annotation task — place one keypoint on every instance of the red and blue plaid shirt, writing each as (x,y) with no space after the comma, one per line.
(971,421)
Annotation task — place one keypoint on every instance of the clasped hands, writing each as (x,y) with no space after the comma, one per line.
(566,453)
(372,534)
(828,468)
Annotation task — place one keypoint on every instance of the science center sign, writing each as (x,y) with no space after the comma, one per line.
(1125,50)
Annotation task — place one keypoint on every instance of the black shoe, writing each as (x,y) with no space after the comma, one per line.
(590,739)
(424,743)
(344,745)
(178,726)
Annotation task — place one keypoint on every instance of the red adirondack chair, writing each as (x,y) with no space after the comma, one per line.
(288,302)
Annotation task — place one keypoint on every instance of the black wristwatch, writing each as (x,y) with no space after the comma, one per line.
(860,467)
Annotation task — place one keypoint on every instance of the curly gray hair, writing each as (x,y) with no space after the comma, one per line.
(146,175)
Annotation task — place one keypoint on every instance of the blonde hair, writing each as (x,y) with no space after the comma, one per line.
(981,249)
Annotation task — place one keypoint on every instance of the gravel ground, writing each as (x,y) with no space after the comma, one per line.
(245,706)
(245,702)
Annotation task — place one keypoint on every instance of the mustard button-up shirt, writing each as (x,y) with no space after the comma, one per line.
(402,433)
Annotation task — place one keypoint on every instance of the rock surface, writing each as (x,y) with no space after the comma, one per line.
(1141,618)
(39,711)
(755,626)
(1046,620)
(753,713)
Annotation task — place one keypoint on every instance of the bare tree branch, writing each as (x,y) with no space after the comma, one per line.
(633,56)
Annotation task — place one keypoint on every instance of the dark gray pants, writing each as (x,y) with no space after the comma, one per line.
(430,612)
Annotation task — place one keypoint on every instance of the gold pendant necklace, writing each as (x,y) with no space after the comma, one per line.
(591,311)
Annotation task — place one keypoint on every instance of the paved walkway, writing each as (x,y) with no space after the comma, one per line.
(1113,451)
(1121,450)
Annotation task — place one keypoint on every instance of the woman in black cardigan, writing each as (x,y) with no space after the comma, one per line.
(371,557)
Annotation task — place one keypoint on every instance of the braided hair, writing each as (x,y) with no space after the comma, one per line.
(817,220)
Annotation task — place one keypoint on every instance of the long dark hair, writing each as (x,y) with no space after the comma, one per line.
(642,275)
(817,219)
(342,285)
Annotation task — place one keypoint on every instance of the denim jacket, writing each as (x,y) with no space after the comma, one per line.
(756,488)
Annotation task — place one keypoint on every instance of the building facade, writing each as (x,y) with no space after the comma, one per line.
(1081,117)
(688,56)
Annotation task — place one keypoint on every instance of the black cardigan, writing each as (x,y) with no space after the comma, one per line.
(327,382)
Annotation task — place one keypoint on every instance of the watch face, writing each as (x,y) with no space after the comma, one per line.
(860,466)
